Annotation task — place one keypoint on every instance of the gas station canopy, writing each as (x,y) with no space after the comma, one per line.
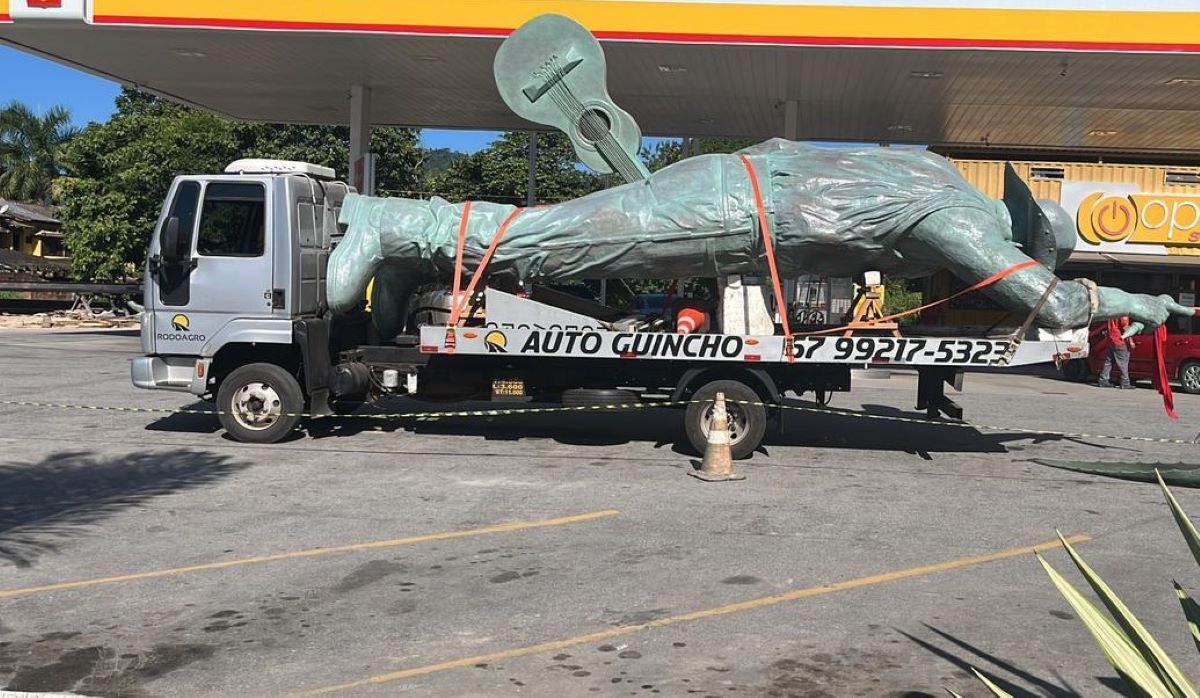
(1113,77)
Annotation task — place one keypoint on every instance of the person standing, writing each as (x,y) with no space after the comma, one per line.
(1120,343)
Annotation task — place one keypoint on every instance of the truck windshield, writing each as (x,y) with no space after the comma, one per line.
(232,222)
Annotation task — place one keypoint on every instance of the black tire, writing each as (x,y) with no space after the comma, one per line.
(1075,370)
(259,403)
(1189,377)
(747,429)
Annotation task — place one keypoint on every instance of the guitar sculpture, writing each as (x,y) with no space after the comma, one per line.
(552,71)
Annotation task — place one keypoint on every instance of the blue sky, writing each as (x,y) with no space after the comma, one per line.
(43,84)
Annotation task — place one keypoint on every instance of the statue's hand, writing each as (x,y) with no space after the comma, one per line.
(1153,311)
(1175,308)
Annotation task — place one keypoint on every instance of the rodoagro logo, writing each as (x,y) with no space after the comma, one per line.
(182,326)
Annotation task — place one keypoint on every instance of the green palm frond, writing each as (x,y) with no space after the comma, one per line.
(32,151)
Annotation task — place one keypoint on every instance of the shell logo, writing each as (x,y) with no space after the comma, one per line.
(1150,219)
(496,342)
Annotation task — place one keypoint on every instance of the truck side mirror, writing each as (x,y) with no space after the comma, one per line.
(169,241)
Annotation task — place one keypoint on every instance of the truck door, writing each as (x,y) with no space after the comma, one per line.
(229,274)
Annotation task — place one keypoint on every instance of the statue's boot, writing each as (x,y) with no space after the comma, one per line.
(356,260)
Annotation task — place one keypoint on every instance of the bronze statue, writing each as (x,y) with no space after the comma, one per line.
(833,211)
(830,211)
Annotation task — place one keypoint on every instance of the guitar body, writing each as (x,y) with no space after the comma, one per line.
(552,71)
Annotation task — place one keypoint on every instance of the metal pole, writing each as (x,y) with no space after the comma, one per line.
(362,175)
(531,182)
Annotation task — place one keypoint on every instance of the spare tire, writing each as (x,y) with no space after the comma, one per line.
(598,397)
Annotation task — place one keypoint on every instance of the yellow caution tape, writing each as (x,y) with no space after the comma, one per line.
(611,408)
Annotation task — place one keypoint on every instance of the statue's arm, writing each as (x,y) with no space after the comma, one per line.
(973,245)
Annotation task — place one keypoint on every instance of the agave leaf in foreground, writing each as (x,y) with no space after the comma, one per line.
(1192,611)
(1132,667)
(1186,527)
(996,690)
(1142,640)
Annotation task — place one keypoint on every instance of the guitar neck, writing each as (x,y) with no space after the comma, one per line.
(626,164)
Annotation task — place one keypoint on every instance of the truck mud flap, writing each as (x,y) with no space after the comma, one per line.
(312,335)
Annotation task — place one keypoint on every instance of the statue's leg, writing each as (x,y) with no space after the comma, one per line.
(974,245)
(389,300)
(693,219)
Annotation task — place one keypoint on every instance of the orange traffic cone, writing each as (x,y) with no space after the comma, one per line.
(689,320)
(718,459)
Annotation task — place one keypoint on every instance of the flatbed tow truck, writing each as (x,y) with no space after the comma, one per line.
(235,313)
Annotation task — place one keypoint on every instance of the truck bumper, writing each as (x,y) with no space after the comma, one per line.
(184,374)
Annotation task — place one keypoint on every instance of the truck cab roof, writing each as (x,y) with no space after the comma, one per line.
(278,167)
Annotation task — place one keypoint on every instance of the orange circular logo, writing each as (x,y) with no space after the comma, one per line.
(1113,218)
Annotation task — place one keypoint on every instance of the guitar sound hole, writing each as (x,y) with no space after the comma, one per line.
(594,125)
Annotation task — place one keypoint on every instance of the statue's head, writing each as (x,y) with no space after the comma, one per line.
(1043,229)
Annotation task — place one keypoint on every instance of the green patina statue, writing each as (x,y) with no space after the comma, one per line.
(832,211)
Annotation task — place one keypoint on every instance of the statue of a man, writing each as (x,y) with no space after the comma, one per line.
(832,211)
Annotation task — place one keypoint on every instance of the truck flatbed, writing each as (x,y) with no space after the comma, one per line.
(523,327)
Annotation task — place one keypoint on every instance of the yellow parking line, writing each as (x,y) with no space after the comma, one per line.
(313,552)
(748,605)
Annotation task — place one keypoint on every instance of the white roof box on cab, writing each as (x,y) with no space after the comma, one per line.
(263,166)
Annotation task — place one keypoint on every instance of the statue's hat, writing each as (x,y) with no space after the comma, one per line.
(1042,227)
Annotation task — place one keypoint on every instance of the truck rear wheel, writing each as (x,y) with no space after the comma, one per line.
(747,417)
(260,403)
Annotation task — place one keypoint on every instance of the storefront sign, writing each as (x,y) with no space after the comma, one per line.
(1119,218)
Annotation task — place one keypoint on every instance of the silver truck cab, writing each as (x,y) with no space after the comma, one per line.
(235,275)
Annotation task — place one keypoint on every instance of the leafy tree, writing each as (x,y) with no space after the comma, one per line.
(438,159)
(399,164)
(671,152)
(500,172)
(900,295)
(31,150)
(119,171)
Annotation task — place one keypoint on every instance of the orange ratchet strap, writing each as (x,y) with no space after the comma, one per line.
(764,225)
(458,253)
(460,306)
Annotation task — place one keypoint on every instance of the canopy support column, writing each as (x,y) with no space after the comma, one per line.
(531,177)
(362,160)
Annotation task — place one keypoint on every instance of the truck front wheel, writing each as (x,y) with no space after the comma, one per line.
(747,417)
(259,403)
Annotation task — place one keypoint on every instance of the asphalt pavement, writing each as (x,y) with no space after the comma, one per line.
(145,554)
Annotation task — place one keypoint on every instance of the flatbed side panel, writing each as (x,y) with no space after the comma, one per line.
(603,344)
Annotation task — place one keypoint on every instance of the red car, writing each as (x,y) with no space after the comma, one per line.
(1181,356)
